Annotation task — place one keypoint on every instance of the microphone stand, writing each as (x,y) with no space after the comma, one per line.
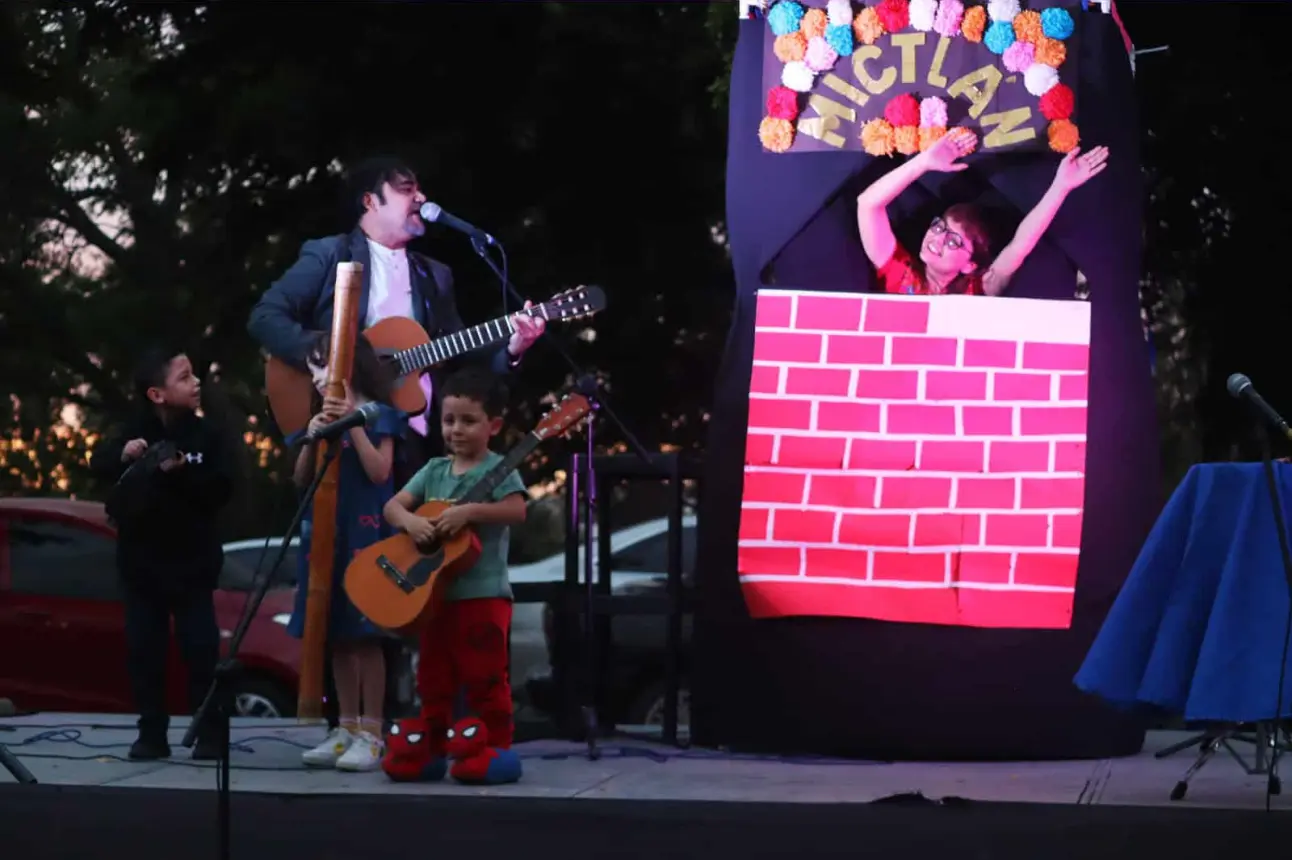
(1274,783)
(585,384)
(11,763)
(218,698)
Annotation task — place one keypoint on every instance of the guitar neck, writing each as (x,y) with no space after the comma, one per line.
(483,488)
(419,358)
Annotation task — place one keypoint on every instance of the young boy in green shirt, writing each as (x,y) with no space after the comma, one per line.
(465,644)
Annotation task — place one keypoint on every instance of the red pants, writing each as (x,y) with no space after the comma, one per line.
(465,647)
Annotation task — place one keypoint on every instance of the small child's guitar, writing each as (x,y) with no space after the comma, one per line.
(394,582)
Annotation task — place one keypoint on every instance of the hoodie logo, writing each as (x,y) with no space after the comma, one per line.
(194,458)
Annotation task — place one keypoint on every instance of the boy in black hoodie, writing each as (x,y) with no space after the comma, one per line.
(171,476)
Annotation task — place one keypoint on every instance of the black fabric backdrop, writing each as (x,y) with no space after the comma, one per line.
(888,690)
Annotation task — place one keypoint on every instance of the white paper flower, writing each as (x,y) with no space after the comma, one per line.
(798,77)
(1039,79)
(839,12)
(922,12)
(1002,10)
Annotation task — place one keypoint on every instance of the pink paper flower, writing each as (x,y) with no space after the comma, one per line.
(947,21)
(1019,56)
(933,111)
(820,56)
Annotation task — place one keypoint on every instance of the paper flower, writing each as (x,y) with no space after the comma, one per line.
(930,135)
(777,135)
(1057,23)
(791,47)
(1051,52)
(877,137)
(975,21)
(782,103)
(839,12)
(785,17)
(1019,56)
(906,139)
(1002,10)
(814,23)
(867,27)
(820,56)
(894,14)
(840,39)
(950,14)
(970,139)
(1063,135)
(797,76)
(1000,35)
(1040,79)
(933,112)
(1058,102)
(1027,26)
(922,14)
(902,110)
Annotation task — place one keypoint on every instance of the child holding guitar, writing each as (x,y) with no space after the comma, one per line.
(465,644)
(365,485)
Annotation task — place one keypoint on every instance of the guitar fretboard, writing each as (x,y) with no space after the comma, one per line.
(486,334)
(483,488)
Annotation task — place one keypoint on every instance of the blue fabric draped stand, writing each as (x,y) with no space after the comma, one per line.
(1198,628)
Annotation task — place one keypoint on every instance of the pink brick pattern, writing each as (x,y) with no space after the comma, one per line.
(915,459)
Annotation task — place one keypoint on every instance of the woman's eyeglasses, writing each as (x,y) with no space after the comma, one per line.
(953,239)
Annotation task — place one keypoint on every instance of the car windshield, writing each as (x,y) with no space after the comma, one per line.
(240,567)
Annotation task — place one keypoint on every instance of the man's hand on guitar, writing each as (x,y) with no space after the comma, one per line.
(133,450)
(452,521)
(420,529)
(525,330)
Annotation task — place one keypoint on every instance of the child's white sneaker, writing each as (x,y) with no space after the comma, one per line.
(364,754)
(328,753)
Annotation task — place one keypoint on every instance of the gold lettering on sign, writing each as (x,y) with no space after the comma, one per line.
(1007,129)
(979,97)
(886,78)
(823,127)
(908,42)
(845,89)
(936,78)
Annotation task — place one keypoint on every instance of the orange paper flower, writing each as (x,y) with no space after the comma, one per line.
(814,23)
(929,135)
(877,137)
(1063,135)
(906,139)
(1027,26)
(776,134)
(975,21)
(966,134)
(1050,52)
(866,26)
(790,47)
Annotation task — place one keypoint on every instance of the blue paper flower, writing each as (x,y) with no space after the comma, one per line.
(1000,35)
(1057,23)
(839,38)
(785,17)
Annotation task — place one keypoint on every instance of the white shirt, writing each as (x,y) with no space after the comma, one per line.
(390,287)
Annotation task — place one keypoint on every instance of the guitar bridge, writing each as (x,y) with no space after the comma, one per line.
(402,582)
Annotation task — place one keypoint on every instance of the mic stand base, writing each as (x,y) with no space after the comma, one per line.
(1274,784)
(11,763)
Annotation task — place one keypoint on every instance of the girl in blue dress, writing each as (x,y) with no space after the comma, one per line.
(365,484)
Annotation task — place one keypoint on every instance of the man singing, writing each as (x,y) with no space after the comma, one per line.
(396,283)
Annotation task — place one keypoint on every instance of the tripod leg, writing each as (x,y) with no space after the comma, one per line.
(10,762)
(1184,744)
(1182,787)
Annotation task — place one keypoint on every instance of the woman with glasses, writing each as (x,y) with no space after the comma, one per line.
(955,254)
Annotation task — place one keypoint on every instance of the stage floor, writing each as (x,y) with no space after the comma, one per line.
(87,793)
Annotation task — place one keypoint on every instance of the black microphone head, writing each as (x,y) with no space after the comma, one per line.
(430,211)
(369,411)
(1237,383)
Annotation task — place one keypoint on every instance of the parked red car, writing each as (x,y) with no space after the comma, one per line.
(62,625)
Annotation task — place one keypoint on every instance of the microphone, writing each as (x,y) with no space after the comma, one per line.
(361,417)
(1241,388)
(434,213)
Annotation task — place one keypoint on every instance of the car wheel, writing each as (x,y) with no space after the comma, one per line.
(648,707)
(262,699)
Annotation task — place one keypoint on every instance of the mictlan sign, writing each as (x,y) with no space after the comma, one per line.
(997,70)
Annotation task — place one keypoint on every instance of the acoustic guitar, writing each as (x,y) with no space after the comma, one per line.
(407,351)
(395,582)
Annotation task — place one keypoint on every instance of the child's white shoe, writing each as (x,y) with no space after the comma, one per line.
(364,754)
(328,753)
